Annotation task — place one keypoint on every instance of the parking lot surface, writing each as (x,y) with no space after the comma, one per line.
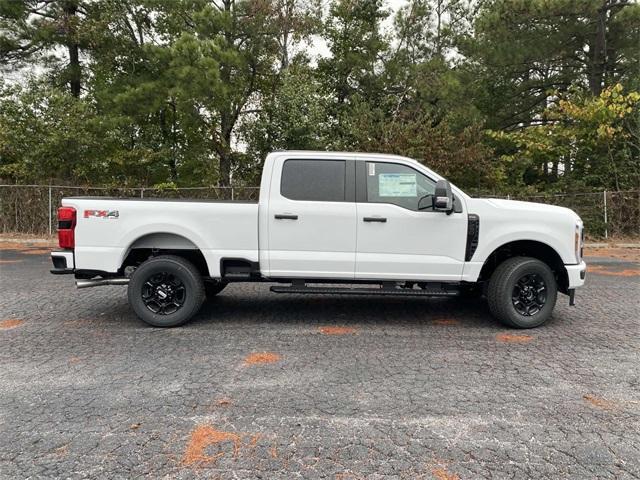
(280,386)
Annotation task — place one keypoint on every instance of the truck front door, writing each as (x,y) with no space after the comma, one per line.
(312,219)
(399,235)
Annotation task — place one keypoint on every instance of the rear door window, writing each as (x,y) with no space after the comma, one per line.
(314,180)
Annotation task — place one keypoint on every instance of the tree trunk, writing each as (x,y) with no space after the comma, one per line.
(223,148)
(599,51)
(166,142)
(225,169)
(70,9)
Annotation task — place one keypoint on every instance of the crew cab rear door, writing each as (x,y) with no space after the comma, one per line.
(396,240)
(312,218)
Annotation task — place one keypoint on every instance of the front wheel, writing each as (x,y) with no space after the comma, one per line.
(522,292)
(166,291)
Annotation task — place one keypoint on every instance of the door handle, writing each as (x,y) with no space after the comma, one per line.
(285,216)
(375,219)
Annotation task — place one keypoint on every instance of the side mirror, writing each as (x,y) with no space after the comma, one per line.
(443,198)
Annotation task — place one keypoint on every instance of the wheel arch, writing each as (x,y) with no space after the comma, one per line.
(163,242)
(527,248)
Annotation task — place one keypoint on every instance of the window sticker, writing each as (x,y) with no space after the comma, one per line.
(372,169)
(397,185)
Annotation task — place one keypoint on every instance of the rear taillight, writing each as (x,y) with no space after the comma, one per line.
(66,225)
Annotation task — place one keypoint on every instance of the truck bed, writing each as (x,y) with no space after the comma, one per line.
(108,228)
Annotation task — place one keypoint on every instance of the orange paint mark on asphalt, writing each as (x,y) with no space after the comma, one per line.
(511,338)
(62,451)
(445,321)
(254,440)
(203,437)
(261,358)
(10,323)
(337,330)
(441,473)
(599,402)
(602,270)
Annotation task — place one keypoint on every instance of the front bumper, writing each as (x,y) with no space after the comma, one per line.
(576,275)
(62,262)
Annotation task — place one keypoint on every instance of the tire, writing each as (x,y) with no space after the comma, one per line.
(213,288)
(166,291)
(522,292)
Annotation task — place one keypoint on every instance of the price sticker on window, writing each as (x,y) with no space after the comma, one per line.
(397,185)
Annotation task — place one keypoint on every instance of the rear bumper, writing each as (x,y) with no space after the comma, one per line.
(576,274)
(63,263)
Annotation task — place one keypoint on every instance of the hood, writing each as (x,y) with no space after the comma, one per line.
(518,206)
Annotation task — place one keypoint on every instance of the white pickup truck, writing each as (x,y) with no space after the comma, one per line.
(327,223)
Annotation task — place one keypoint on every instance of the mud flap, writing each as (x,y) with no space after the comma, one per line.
(572,297)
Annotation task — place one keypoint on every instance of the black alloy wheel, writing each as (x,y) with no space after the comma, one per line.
(529,294)
(163,293)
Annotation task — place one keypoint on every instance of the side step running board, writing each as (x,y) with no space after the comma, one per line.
(398,291)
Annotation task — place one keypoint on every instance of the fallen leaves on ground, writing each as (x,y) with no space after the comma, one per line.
(631,254)
(22,246)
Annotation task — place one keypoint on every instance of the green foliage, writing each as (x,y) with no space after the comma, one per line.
(499,95)
(586,142)
(522,50)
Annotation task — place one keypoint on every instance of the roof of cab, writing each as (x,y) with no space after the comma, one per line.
(310,154)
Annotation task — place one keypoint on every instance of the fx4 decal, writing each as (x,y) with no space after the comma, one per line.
(101,213)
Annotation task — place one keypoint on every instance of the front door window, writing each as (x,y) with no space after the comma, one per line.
(399,185)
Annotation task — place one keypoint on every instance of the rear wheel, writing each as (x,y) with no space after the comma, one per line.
(166,291)
(522,292)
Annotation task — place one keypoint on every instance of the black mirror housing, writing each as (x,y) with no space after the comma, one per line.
(443,197)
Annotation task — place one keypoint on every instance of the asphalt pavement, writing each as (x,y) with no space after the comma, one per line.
(272,386)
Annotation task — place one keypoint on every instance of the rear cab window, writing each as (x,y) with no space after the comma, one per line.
(314,180)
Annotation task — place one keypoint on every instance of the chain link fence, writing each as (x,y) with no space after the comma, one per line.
(31,209)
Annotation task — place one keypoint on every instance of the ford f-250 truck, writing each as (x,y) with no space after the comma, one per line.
(327,223)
